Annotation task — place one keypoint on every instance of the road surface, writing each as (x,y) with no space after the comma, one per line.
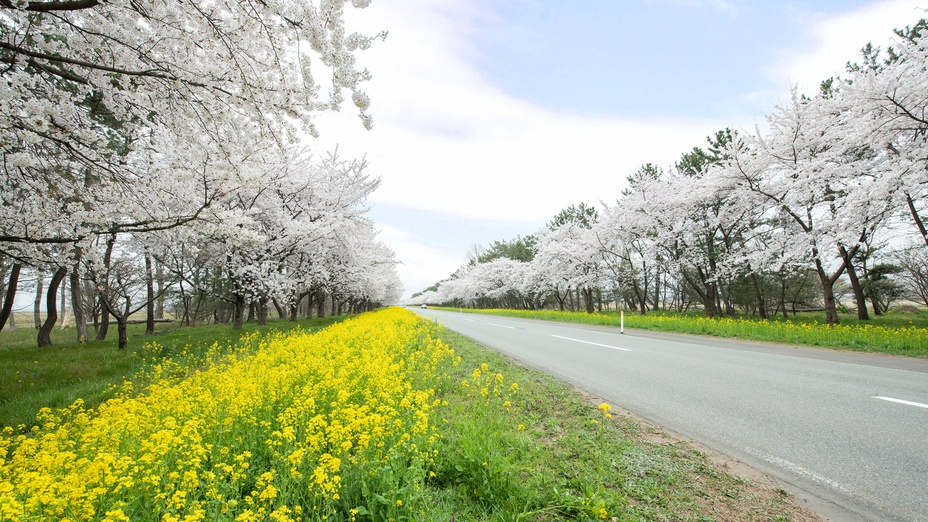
(846,432)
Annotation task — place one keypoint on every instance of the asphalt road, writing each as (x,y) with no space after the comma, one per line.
(846,432)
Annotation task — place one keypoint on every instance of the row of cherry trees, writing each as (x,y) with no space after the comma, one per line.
(153,147)
(833,182)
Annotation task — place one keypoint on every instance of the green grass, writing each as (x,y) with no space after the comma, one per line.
(896,333)
(54,376)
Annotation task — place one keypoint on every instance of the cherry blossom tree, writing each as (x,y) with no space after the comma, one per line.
(133,117)
(885,102)
(568,256)
(826,199)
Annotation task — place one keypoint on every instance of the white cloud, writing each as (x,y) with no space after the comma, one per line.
(423,264)
(446,140)
(837,40)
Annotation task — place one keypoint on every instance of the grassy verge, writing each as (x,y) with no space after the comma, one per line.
(904,334)
(546,452)
(372,419)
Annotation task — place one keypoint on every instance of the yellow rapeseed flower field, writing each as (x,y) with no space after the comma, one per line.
(910,340)
(331,424)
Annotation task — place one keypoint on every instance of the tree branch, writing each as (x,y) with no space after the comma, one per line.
(46,7)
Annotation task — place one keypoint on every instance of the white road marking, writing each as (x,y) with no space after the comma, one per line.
(797,470)
(595,344)
(900,401)
(502,326)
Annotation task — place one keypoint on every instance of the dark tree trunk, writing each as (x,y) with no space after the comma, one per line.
(917,218)
(281,313)
(262,311)
(159,279)
(10,294)
(761,306)
(45,331)
(104,324)
(640,298)
(122,320)
(63,304)
(828,293)
(103,295)
(705,290)
(77,304)
(122,328)
(783,298)
(859,297)
(238,312)
(657,291)
(37,305)
(150,290)
(588,299)
(320,304)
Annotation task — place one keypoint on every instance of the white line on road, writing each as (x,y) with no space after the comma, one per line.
(595,344)
(502,326)
(797,470)
(900,401)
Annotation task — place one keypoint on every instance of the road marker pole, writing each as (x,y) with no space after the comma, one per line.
(622,321)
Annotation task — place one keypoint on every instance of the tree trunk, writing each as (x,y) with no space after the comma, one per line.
(65,315)
(51,318)
(657,291)
(262,311)
(122,320)
(159,279)
(104,323)
(7,310)
(150,294)
(705,291)
(588,299)
(281,313)
(918,219)
(238,312)
(122,328)
(859,297)
(294,311)
(77,304)
(761,306)
(783,297)
(828,293)
(37,308)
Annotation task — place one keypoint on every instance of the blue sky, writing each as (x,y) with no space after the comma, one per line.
(644,59)
(492,115)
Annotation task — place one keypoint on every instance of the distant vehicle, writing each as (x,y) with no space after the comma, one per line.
(424,307)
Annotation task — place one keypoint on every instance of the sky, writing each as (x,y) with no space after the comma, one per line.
(490,116)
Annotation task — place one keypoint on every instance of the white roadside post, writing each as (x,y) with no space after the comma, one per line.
(622,321)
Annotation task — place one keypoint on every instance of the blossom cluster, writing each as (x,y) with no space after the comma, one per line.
(336,424)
